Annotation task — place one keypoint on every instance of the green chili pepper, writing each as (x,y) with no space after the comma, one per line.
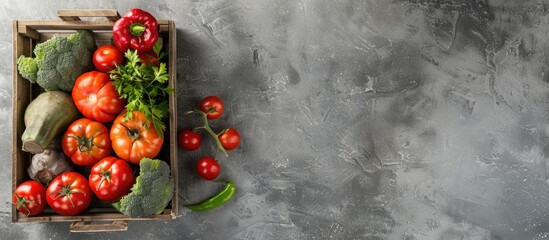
(219,199)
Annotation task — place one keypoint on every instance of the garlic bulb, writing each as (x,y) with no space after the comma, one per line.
(47,165)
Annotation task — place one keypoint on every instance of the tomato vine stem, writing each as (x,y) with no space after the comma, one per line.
(208,129)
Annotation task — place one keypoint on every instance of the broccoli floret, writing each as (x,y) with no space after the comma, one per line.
(84,39)
(46,52)
(59,61)
(65,65)
(48,79)
(86,60)
(152,191)
(27,68)
(63,45)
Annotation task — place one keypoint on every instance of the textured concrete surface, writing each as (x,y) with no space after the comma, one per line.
(361,119)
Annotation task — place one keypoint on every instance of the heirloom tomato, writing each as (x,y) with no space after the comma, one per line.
(86,142)
(136,138)
(69,194)
(96,97)
(111,178)
(30,197)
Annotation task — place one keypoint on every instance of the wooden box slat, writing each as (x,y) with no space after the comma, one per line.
(23,25)
(26,33)
(75,14)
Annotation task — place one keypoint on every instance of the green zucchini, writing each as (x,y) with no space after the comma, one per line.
(46,118)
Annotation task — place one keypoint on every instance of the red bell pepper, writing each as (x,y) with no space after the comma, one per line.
(136,30)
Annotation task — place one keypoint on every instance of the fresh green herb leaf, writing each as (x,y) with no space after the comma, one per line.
(144,87)
(157,48)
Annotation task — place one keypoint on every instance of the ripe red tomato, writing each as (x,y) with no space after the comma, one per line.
(86,142)
(30,197)
(111,178)
(189,140)
(96,97)
(106,57)
(212,106)
(149,58)
(69,194)
(135,139)
(208,168)
(230,139)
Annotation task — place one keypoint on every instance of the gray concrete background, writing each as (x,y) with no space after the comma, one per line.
(361,119)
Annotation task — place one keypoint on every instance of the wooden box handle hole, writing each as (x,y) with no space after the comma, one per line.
(86,226)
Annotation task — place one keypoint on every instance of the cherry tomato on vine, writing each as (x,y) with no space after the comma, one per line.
(230,139)
(189,140)
(30,197)
(212,106)
(106,57)
(208,168)
(69,194)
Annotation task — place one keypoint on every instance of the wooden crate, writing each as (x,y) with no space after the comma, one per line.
(26,33)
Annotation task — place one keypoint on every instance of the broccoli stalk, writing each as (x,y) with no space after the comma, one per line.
(59,61)
(152,191)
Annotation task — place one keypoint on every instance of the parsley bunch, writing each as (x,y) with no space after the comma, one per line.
(144,86)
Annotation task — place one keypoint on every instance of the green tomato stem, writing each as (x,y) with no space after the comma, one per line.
(211,132)
(22,202)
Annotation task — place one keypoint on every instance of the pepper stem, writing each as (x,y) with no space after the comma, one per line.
(137,29)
